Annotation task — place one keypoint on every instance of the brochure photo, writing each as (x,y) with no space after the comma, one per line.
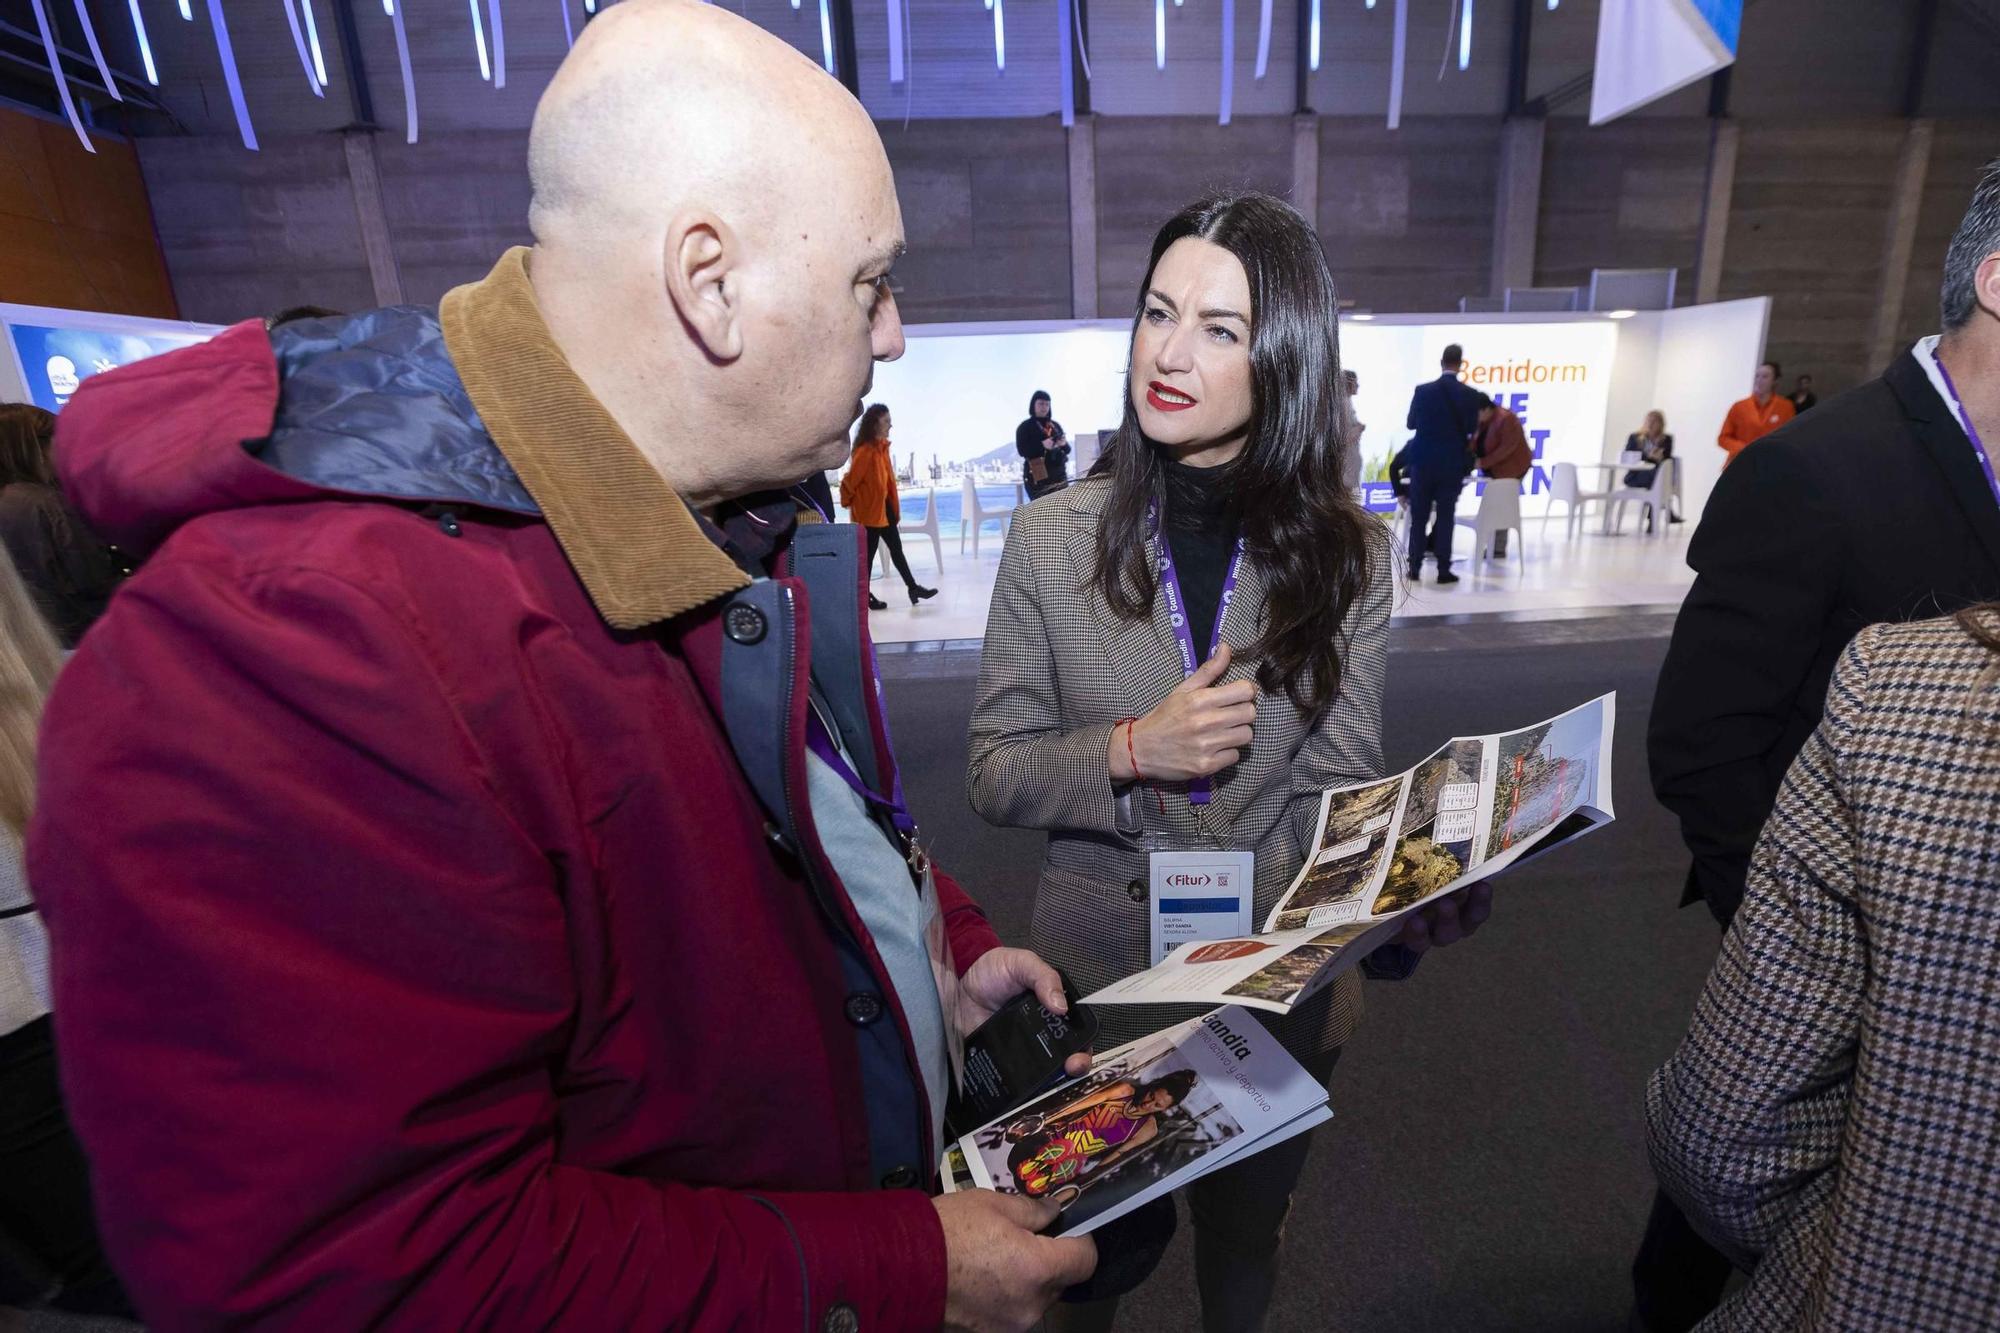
(1151,1116)
(1380,850)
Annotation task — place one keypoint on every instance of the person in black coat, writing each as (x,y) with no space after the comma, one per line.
(1043,447)
(1880,508)
(1443,413)
(70,572)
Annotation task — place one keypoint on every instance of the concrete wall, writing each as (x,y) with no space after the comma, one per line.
(1407,217)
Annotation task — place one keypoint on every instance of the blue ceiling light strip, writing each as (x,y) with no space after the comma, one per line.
(145,43)
(1228,59)
(230,77)
(299,44)
(312,41)
(1000,35)
(1465,36)
(479,40)
(825,35)
(569,32)
(1159,34)
(1264,39)
(1399,52)
(97,52)
(499,44)
(895,8)
(1315,37)
(1063,56)
(1082,44)
(62,82)
(409,75)
(590,6)
(187,10)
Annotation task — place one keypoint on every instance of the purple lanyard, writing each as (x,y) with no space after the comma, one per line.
(1971,431)
(1200,789)
(820,741)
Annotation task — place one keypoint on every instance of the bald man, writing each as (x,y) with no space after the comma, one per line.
(480,887)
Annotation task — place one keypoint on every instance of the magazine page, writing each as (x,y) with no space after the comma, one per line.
(1150,1116)
(1474,808)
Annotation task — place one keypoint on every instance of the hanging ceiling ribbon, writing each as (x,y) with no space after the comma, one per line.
(1066,61)
(312,40)
(999,35)
(1314,67)
(895,41)
(145,43)
(1228,59)
(1159,34)
(230,77)
(299,43)
(825,37)
(479,41)
(409,75)
(1398,52)
(1082,42)
(499,45)
(1264,39)
(97,52)
(62,82)
(569,33)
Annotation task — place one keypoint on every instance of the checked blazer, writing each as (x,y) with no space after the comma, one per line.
(1832,1119)
(1058,672)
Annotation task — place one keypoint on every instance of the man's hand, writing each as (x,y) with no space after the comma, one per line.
(1000,975)
(1449,919)
(1001,1277)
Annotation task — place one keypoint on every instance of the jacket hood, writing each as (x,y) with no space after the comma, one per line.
(366,405)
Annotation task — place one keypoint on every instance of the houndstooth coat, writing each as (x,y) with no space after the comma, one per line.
(1832,1119)
(1060,669)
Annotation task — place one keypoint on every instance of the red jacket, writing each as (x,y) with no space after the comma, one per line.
(1502,447)
(423,956)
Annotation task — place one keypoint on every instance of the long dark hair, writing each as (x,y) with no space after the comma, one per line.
(26,434)
(871,424)
(1299,522)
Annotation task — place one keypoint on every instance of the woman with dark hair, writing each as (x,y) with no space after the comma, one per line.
(71,573)
(868,493)
(1187,647)
(1043,447)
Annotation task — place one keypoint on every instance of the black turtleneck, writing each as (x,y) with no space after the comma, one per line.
(1201,527)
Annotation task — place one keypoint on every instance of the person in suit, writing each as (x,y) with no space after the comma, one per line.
(1501,447)
(1101,714)
(1443,413)
(1827,1121)
(1880,508)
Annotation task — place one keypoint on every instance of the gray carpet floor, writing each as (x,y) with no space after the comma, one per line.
(1486,1168)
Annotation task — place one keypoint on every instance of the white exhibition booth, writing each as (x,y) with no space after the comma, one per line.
(1580,382)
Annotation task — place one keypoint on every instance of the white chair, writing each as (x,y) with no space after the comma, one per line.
(1499,510)
(1564,488)
(973,516)
(1652,498)
(927,526)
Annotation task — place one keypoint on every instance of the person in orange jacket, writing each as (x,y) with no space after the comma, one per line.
(868,493)
(1756,416)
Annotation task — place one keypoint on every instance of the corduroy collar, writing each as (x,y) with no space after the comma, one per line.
(635,545)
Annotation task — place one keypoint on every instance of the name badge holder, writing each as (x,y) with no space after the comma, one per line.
(1200,888)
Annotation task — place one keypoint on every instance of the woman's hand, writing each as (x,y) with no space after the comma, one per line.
(1198,730)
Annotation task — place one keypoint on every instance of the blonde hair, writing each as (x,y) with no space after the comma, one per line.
(29,659)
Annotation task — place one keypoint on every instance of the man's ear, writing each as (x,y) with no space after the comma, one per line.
(701,262)
(1986,284)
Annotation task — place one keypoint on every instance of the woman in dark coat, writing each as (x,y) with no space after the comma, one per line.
(71,573)
(1043,447)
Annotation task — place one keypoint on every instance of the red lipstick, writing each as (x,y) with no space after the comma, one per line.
(1156,396)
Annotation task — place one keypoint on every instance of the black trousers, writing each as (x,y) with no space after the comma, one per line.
(1433,495)
(49,1249)
(1678,1278)
(876,536)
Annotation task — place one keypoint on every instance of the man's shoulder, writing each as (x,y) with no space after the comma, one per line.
(1867,421)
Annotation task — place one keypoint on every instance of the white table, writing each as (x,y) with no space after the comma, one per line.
(1613,471)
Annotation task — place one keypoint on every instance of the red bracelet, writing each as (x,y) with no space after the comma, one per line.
(1133,755)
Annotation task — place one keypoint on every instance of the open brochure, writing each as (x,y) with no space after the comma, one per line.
(1381,850)
(1150,1117)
